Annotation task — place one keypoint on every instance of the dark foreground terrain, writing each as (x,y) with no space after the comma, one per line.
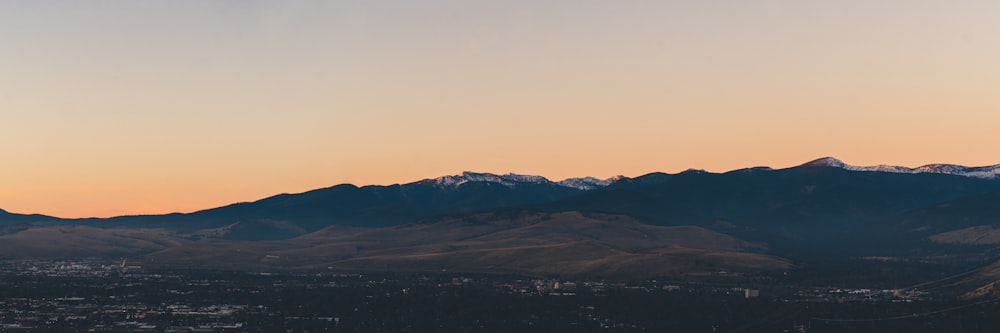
(104,296)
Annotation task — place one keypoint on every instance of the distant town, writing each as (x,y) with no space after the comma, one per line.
(118,296)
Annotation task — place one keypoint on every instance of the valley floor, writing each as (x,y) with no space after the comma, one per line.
(101,295)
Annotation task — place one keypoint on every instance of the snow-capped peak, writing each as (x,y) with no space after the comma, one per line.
(589,183)
(509,179)
(826,162)
(513,179)
(987,172)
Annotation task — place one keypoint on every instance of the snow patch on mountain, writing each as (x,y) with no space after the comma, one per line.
(510,179)
(589,183)
(986,172)
(513,179)
(826,162)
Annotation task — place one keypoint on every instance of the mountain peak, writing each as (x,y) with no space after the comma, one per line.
(826,162)
(510,179)
(507,179)
(986,172)
(589,183)
(513,179)
(694,171)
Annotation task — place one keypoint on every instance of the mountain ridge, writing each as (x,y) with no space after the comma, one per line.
(986,172)
(587,183)
(513,179)
(822,209)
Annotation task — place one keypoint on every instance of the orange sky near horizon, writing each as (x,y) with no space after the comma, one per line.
(123,107)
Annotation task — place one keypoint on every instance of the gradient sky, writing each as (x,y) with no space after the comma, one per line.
(127,107)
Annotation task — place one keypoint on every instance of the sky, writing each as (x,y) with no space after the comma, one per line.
(140,107)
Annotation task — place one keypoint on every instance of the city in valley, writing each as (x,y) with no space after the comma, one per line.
(98,295)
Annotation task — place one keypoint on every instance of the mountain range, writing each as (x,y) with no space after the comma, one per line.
(692,222)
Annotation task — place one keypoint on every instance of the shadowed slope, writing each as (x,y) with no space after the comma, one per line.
(76,241)
(567,243)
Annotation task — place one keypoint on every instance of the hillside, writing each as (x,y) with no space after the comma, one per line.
(566,243)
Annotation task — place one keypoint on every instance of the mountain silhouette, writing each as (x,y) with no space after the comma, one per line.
(821,209)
